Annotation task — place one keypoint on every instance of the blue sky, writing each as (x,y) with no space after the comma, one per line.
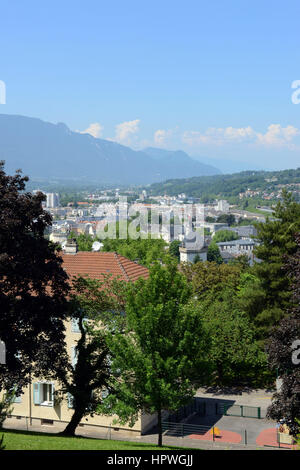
(211,78)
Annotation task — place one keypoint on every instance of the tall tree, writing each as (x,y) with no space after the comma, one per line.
(226,218)
(174,249)
(225,236)
(277,240)
(213,253)
(158,352)
(284,354)
(234,356)
(86,375)
(145,250)
(33,284)
(208,278)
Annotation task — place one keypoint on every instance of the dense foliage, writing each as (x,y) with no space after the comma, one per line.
(284,354)
(86,376)
(33,284)
(225,236)
(276,238)
(207,188)
(213,253)
(234,356)
(144,250)
(157,354)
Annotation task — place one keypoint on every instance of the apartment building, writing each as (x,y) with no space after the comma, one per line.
(37,404)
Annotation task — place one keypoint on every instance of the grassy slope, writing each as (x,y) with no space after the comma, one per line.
(22,440)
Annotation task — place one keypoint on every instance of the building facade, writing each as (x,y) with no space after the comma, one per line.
(37,405)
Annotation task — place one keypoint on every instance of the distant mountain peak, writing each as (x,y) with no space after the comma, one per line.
(45,150)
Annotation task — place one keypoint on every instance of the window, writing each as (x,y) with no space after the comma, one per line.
(74,356)
(2,352)
(43,394)
(75,325)
(70,400)
(16,398)
(47,422)
(46,393)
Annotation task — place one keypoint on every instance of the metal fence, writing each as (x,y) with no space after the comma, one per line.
(208,433)
(244,411)
(195,406)
(184,429)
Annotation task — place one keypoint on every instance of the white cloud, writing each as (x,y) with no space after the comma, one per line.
(276,135)
(218,136)
(95,129)
(238,134)
(161,136)
(126,130)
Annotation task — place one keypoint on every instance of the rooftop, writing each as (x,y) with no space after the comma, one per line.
(247,241)
(96,264)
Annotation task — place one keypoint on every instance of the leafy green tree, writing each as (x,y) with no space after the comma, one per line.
(241,260)
(244,221)
(225,236)
(283,349)
(286,402)
(197,259)
(213,253)
(158,352)
(298,435)
(88,377)
(144,250)
(251,298)
(226,218)
(276,239)
(33,284)
(174,249)
(84,241)
(208,279)
(5,407)
(93,305)
(234,355)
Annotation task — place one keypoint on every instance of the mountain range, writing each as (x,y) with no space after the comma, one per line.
(45,150)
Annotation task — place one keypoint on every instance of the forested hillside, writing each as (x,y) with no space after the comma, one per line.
(209,187)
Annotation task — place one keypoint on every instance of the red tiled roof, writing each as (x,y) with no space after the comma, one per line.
(95,264)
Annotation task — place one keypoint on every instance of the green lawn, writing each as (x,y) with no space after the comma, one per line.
(22,440)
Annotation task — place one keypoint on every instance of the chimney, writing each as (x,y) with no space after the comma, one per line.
(71,247)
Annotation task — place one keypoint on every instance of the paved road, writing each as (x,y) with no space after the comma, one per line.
(149,438)
(248,428)
(253,426)
(259,398)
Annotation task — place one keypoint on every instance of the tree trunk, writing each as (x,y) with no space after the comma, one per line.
(159,428)
(220,372)
(72,425)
